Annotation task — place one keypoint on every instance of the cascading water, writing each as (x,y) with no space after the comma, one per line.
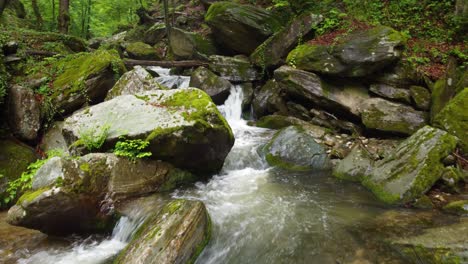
(171,81)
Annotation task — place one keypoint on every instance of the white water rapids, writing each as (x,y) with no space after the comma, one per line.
(259,214)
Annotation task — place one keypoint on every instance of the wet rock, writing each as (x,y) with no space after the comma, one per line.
(248,94)
(457,207)
(387,116)
(53,139)
(355,166)
(279,122)
(85,79)
(308,87)
(176,234)
(240,28)
(268,100)
(14,159)
(421,97)
(141,51)
(133,82)
(412,169)
(294,148)
(189,45)
(216,87)
(275,49)
(24,113)
(72,195)
(330,121)
(154,34)
(360,54)
(400,75)
(184,127)
(391,92)
(454,118)
(234,69)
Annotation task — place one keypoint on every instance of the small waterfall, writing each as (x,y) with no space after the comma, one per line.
(170,81)
(91,250)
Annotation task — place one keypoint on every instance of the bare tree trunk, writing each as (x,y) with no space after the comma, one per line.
(53,14)
(3,4)
(88,26)
(64,16)
(166,16)
(37,13)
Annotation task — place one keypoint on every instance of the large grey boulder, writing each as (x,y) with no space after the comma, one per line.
(184,127)
(274,50)
(356,165)
(412,168)
(268,100)
(72,195)
(391,92)
(176,234)
(53,139)
(359,54)
(190,45)
(310,88)
(132,82)
(240,28)
(234,69)
(216,87)
(383,115)
(294,148)
(24,113)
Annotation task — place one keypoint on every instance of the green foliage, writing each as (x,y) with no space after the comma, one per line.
(3,88)
(132,148)
(332,20)
(24,183)
(92,138)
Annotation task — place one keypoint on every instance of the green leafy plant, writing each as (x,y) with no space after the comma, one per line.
(132,148)
(24,183)
(331,21)
(92,138)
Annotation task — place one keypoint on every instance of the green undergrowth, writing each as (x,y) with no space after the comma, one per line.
(132,149)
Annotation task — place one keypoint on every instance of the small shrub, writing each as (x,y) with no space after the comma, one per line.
(132,149)
(92,138)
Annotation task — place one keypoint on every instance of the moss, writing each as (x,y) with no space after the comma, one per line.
(207,237)
(421,254)
(173,206)
(457,207)
(31,195)
(78,68)
(274,122)
(176,178)
(141,50)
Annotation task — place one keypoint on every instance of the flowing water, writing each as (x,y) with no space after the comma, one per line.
(260,214)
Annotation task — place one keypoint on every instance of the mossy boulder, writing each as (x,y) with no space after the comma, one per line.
(24,113)
(355,166)
(55,42)
(234,69)
(268,100)
(454,118)
(391,92)
(380,114)
(141,51)
(307,87)
(85,78)
(294,148)
(240,28)
(216,87)
(359,54)
(457,207)
(70,195)
(178,233)
(184,127)
(274,50)
(133,82)
(14,159)
(154,34)
(421,97)
(412,168)
(190,45)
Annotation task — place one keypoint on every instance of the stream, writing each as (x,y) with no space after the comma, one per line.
(259,214)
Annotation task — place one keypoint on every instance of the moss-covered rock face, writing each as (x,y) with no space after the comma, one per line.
(308,87)
(68,194)
(391,92)
(14,159)
(178,233)
(392,117)
(215,86)
(189,45)
(412,168)
(454,118)
(354,167)
(234,69)
(133,82)
(293,148)
(24,113)
(457,207)
(184,127)
(274,50)
(141,51)
(421,97)
(240,28)
(360,54)
(268,100)
(54,42)
(85,77)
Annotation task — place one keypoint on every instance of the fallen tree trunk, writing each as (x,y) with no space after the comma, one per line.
(40,53)
(166,64)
